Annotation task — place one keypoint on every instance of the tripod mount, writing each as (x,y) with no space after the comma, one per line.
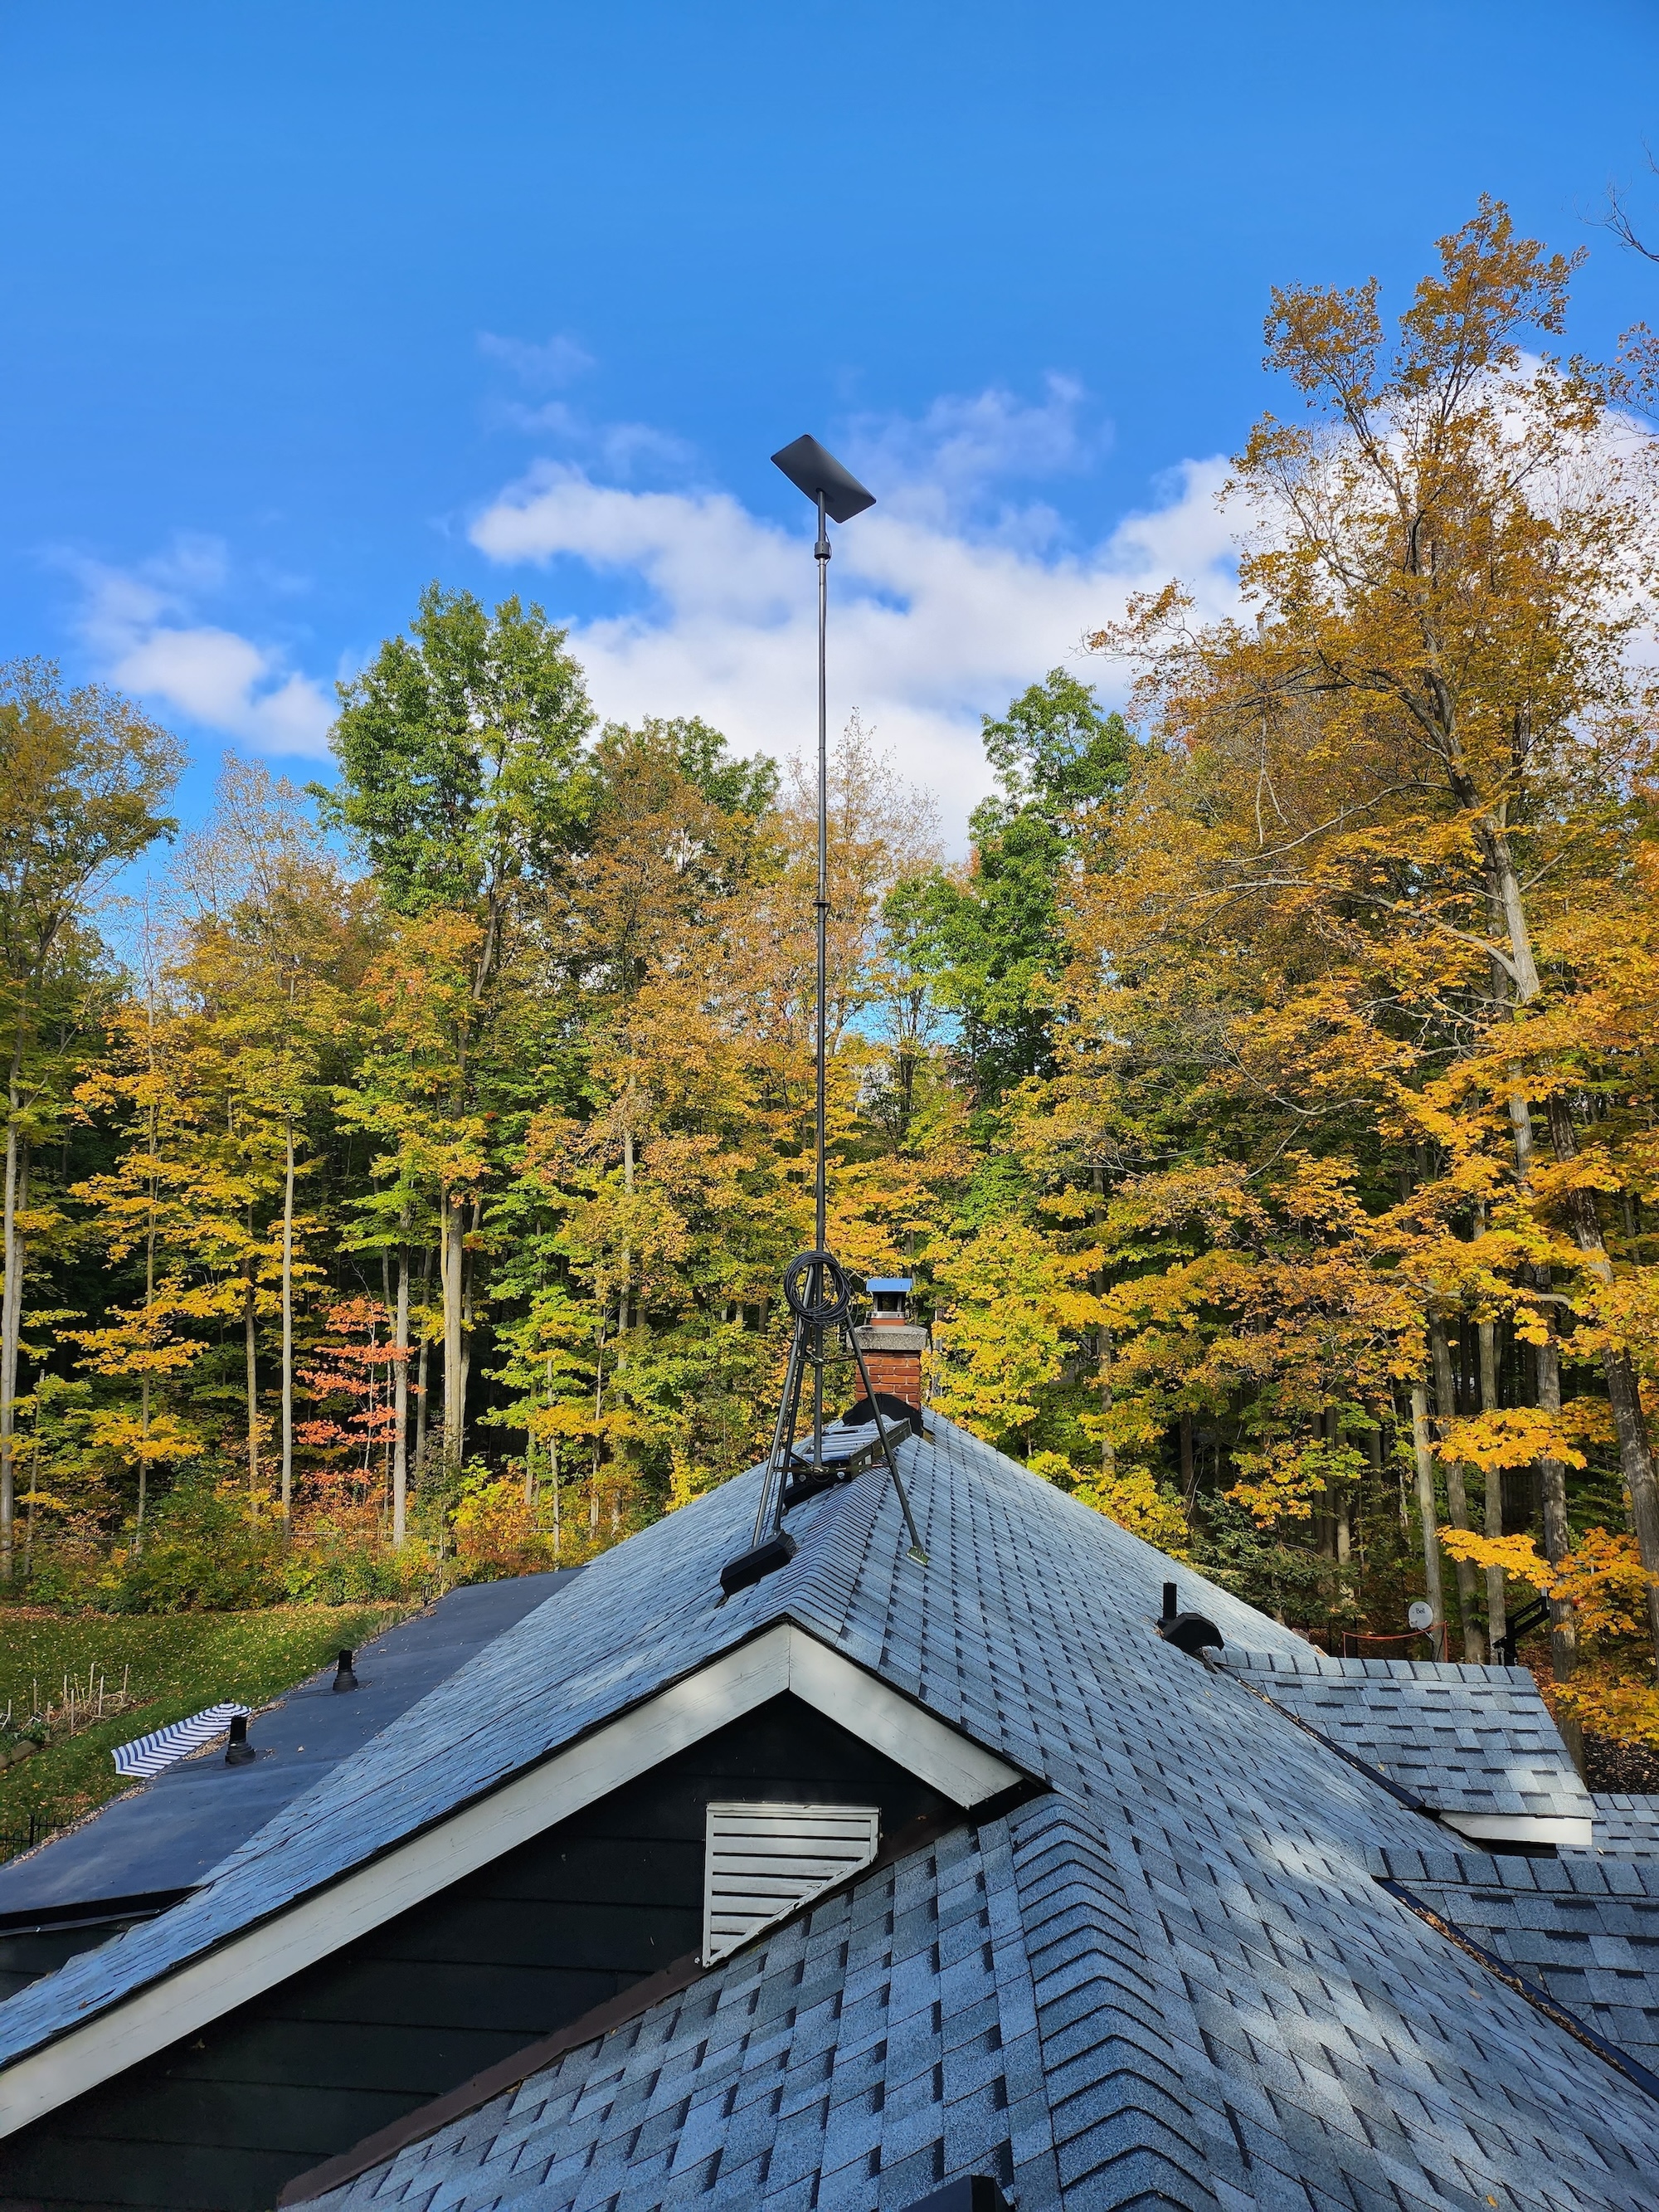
(820,1298)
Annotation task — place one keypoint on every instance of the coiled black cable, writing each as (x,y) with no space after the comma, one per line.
(835,1289)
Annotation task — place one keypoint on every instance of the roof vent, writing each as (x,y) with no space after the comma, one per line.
(764,1862)
(344,1677)
(238,1751)
(898,1413)
(1191,1632)
(757,1562)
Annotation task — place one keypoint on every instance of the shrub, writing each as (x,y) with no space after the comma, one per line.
(335,1563)
(201,1553)
(497,1530)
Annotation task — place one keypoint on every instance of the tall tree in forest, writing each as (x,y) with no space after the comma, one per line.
(83,775)
(664,1185)
(1431,737)
(994,939)
(269,957)
(463,785)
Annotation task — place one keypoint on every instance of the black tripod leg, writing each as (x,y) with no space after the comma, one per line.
(799,1355)
(916,1552)
(770,1507)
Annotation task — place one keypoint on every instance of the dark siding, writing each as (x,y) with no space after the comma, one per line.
(515,1951)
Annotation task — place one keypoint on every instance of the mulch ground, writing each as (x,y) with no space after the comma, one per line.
(1611,1764)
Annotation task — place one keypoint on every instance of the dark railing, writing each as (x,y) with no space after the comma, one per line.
(23,1839)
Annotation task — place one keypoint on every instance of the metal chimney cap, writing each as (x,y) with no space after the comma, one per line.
(811,470)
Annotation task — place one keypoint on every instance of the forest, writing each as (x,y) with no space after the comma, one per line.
(399,1182)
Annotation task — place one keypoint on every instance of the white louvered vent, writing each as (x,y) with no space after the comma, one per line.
(763,1860)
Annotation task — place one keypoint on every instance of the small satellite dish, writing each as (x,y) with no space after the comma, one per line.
(1421,1615)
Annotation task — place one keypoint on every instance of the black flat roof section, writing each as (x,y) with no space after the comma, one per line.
(166,1834)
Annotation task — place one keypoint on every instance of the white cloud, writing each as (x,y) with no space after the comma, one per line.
(942,604)
(946,462)
(560,360)
(140,626)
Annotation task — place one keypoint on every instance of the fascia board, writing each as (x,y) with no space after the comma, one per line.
(782,1657)
(906,1732)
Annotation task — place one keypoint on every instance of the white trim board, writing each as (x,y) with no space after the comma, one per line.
(1571,1831)
(784,1658)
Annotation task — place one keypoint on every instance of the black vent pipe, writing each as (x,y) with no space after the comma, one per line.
(238,1751)
(1191,1632)
(344,1677)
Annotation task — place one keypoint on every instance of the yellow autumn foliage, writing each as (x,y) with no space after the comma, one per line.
(1512,1436)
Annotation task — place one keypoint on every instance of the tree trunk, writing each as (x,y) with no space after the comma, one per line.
(1552,1482)
(451,1255)
(422,1394)
(598,1404)
(1496,1610)
(11,1312)
(400,1399)
(1624,1394)
(553,1479)
(288,1333)
(1552,1474)
(250,1361)
(1457,1503)
(468,1297)
(1336,1510)
(34,1484)
(1422,1454)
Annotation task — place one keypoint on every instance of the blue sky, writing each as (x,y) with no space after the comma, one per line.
(308,303)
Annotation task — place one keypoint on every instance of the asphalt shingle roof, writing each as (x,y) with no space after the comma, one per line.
(1466,1738)
(1585,1929)
(1175,1980)
(1627,1825)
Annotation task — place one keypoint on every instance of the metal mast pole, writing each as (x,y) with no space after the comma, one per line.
(821,554)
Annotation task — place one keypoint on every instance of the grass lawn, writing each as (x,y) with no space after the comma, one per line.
(178,1662)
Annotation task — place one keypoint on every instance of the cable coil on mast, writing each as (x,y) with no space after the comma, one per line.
(820,1312)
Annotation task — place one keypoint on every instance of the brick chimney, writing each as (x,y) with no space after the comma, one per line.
(891,1343)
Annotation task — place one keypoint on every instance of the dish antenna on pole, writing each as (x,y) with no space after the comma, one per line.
(815,1284)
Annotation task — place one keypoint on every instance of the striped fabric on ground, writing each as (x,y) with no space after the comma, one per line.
(148,1754)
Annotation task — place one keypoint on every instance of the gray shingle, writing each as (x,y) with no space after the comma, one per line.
(1627,1826)
(1466,1739)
